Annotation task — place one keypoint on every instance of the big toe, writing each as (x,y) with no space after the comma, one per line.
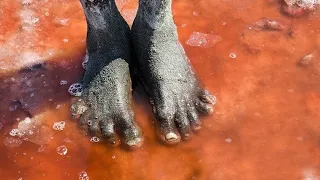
(131,134)
(165,117)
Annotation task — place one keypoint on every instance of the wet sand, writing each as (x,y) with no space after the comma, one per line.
(266,123)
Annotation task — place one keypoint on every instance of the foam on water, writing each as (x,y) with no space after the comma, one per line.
(63,82)
(203,40)
(83,176)
(59,126)
(12,142)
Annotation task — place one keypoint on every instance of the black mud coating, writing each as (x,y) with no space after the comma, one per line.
(99,3)
(176,95)
(106,102)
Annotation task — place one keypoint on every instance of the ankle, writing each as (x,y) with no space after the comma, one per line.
(155,12)
(99,12)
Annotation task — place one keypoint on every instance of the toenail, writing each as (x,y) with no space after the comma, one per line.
(171,136)
(210,111)
(134,142)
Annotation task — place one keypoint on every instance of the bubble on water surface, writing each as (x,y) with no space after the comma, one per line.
(59,126)
(14,132)
(62,150)
(94,139)
(63,82)
(89,122)
(83,176)
(203,40)
(75,89)
(228,140)
(232,55)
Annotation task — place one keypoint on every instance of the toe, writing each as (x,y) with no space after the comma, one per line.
(193,117)
(77,108)
(165,119)
(206,97)
(203,108)
(108,132)
(94,127)
(132,137)
(83,121)
(182,124)
(131,132)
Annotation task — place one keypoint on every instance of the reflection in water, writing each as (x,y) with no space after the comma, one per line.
(263,67)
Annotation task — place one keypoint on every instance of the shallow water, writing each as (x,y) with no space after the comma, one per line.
(266,123)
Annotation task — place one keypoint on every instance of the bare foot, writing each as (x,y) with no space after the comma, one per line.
(176,95)
(106,103)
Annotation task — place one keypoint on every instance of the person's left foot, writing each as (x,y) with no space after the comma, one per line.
(176,95)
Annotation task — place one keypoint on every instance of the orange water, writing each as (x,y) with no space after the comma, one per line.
(266,123)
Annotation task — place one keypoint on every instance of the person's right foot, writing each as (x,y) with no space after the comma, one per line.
(106,102)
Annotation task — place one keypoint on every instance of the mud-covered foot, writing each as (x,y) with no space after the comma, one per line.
(105,106)
(175,94)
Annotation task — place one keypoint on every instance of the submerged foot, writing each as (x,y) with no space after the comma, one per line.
(105,106)
(175,94)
